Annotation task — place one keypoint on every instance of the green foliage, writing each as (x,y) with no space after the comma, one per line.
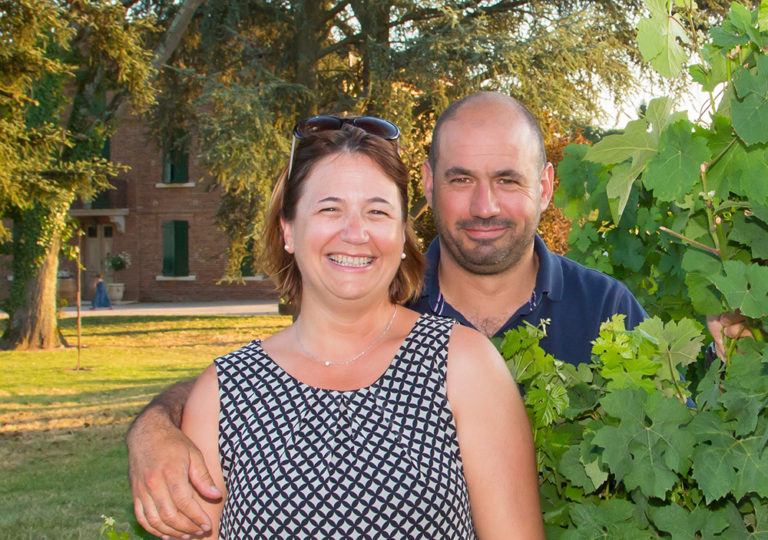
(405,60)
(108,531)
(66,68)
(621,455)
(118,261)
(678,210)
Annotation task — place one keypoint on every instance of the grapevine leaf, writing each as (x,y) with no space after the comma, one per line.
(619,187)
(695,260)
(709,387)
(760,212)
(761,509)
(700,523)
(714,72)
(697,228)
(755,172)
(673,172)
(762,16)
(659,114)
(750,117)
(740,17)
(745,391)
(727,39)
(580,190)
(750,111)
(679,342)
(657,39)
(751,233)
(629,252)
(580,465)
(547,404)
(612,518)
(583,237)
(649,447)
(703,295)
(699,265)
(581,398)
(728,170)
(745,287)
(618,361)
(724,463)
(636,142)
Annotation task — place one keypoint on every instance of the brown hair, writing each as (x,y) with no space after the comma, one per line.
(281,265)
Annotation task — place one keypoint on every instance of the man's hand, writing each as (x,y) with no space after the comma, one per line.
(730,325)
(164,468)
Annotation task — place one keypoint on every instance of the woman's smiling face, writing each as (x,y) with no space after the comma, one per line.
(348,231)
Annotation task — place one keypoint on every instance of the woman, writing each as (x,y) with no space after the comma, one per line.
(362,419)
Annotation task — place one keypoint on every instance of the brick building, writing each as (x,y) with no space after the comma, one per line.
(162,215)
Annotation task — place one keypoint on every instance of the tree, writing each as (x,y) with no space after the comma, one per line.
(248,70)
(67,69)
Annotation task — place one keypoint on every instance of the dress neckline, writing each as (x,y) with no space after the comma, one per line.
(376,382)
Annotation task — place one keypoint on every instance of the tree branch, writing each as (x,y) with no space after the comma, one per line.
(331,14)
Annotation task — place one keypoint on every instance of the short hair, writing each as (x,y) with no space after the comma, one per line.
(454,107)
(279,264)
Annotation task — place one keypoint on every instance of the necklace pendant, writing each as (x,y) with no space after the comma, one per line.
(327,363)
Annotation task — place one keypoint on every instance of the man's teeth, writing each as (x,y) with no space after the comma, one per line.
(345,260)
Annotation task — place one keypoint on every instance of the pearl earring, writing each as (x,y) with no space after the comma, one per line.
(402,255)
(287,248)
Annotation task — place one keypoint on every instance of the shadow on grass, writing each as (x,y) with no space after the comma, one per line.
(148,386)
(172,330)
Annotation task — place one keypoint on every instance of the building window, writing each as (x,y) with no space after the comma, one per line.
(175,159)
(175,248)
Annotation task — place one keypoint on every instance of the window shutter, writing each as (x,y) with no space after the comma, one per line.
(181,245)
(169,255)
(175,248)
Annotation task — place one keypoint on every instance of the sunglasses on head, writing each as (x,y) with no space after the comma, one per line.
(317,124)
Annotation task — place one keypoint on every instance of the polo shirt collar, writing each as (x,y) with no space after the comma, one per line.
(549,279)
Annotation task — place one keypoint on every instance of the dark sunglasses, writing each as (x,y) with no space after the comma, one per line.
(317,124)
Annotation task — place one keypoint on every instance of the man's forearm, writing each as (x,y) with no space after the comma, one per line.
(169,404)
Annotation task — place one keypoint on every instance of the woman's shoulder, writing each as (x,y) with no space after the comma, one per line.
(474,361)
(465,340)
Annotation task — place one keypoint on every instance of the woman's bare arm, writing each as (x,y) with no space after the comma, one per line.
(165,468)
(495,440)
(201,424)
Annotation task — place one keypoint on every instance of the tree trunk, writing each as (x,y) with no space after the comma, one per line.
(34,325)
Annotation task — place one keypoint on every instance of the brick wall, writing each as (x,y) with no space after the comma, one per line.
(148,206)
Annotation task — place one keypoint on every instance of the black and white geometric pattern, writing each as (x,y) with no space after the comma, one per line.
(378,462)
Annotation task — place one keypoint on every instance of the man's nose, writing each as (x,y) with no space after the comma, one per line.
(484,203)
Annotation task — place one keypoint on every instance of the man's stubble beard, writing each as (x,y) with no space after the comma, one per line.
(505,256)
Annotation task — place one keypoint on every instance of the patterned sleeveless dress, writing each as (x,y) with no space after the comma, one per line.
(378,462)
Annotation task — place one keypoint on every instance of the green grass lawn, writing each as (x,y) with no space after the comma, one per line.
(62,457)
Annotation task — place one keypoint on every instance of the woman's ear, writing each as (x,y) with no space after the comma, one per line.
(287,228)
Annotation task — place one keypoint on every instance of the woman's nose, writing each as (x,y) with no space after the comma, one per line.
(355,229)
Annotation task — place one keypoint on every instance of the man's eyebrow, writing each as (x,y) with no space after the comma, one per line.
(509,173)
(457,171)
(461,171)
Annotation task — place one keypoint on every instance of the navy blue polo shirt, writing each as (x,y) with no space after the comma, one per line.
(575,298)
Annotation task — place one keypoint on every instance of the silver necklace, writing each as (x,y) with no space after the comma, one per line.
(358,355)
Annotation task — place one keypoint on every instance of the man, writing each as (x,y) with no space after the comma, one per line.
(487,181)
